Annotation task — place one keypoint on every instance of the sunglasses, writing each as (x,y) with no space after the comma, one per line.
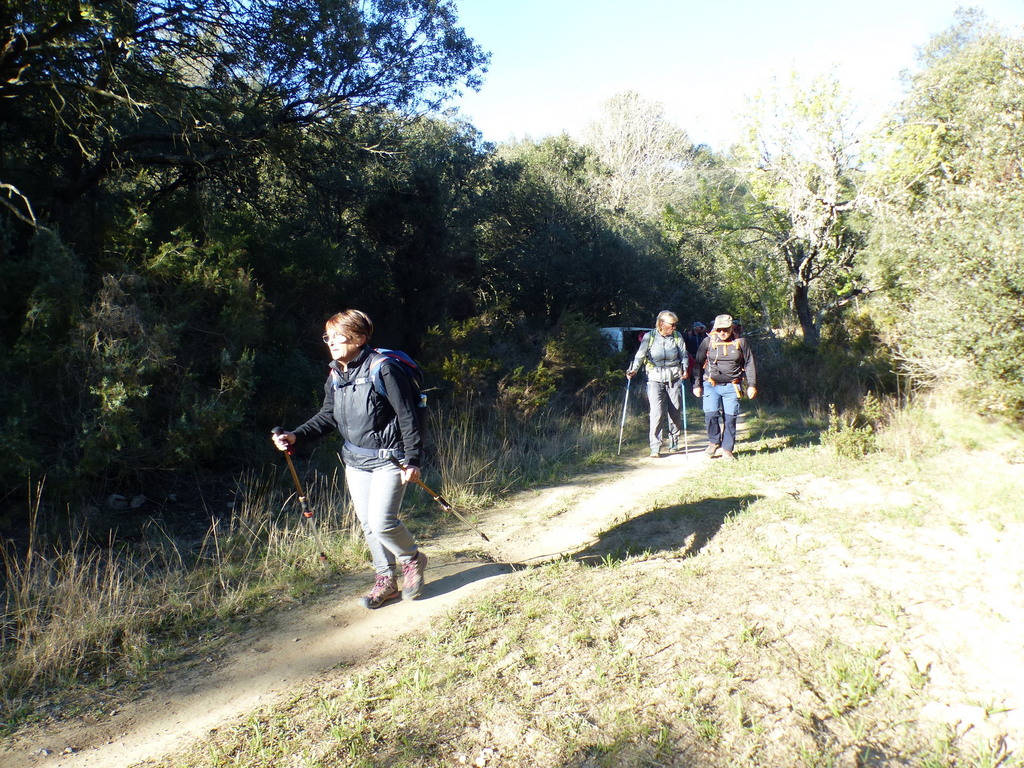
(328,337)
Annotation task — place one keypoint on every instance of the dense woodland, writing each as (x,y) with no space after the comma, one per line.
(189,188)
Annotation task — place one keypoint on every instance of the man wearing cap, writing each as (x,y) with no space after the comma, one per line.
(723,361)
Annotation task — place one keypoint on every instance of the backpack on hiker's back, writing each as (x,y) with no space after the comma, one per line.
(413,372)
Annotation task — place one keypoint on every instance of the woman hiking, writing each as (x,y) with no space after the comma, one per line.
(374,427)
(724,360)
(662,352)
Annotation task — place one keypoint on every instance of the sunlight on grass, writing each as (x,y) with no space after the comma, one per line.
(775,638)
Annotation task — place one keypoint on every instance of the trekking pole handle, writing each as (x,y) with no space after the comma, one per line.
(306,511)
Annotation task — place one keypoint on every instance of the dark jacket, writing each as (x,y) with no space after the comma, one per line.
(693,342)
(364,417)
(725,362)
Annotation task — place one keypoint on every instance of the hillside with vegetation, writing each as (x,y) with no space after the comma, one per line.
(189,189)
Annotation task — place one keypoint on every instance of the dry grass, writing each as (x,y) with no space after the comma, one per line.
(863,618)
(79,618)
(801,610)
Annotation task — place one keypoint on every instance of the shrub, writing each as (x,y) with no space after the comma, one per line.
(852,435)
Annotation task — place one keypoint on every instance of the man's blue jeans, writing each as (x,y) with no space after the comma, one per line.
(719,433)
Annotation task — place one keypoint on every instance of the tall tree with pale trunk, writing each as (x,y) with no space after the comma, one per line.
(801,162)
(646,157)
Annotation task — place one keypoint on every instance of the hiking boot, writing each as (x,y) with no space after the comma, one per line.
(384,589)
(711,450)
(673,444)
(655,454)
(727,455)
(412,577)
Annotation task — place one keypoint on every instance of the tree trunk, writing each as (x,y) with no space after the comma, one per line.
(802,306)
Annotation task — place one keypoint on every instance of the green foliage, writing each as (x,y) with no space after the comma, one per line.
(546,248)
(849,363)
(949,243)
(521,365)
(574,366)
(524,393)
(168,346)
(188,87)
(725,269)
(854,434)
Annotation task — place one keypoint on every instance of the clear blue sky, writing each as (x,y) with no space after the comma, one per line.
(554,62)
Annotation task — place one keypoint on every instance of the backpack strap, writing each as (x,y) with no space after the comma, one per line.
(677,339)
(707,360)
(375,373)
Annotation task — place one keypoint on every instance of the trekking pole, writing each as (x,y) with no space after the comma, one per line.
(686,440)
(622,423)
(437,497)
(306,511)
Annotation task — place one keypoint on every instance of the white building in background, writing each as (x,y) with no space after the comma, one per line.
(624,337)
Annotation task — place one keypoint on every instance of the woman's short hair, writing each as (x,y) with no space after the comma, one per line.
(352,321)
(667,317)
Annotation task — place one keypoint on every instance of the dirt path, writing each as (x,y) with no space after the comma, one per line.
(309,640)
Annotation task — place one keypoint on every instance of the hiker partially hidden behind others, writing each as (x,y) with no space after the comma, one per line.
(724,360)
(374,427)
(663,355)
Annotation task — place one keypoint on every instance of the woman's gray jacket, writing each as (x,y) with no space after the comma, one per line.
(663,357)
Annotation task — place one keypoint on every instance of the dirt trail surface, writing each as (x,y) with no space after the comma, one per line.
(310,640)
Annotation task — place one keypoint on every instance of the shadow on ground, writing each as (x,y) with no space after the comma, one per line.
(679,531)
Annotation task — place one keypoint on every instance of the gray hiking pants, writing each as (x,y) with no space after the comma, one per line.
(666,401)
(377,498)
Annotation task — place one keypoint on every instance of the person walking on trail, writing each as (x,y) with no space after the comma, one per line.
(374,427)
(663,355)
(697,333)
(724,360)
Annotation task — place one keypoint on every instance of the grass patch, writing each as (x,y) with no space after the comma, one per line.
(766,615)
(81,621)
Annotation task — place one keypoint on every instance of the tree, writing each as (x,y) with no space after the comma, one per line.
(548,248)
(949,240)
(801,164)
(145,146)
(96,89)
(645,157)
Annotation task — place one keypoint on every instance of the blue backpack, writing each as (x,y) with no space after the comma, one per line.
(415,374)
(408,366)
(412,370)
